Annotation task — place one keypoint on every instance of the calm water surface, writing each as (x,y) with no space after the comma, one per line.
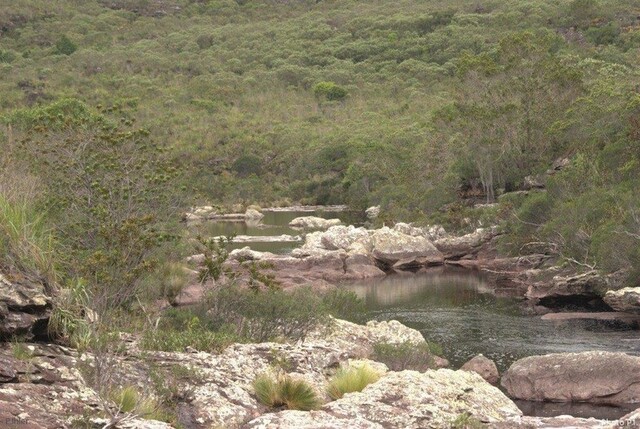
(457,309)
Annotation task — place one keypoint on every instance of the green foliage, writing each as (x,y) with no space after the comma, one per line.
(215,253)
(180,329)
(246,165)
(407,355)
(282,390)
(64,46)
(351,379)
(466,421)
(344,304)
(263,315)
(329,91)
(108,190)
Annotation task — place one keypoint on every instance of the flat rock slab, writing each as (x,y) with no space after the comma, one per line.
(605,315)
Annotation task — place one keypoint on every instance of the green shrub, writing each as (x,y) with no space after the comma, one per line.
(247,165)
(351,379)
(344,304)
(180,329)
(64,46)
(262,315)
(329,91)
(285,391)
(407,355)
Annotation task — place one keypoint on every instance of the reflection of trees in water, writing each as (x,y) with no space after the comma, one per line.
(435,287)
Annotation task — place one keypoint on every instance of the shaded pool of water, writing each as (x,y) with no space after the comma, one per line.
(457,309)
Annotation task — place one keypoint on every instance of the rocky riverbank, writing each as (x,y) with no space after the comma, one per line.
(50,386)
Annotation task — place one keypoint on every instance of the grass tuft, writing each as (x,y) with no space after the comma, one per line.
(350,379)
(285,391)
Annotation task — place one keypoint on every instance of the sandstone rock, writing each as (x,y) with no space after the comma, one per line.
(484,366)
(597,377)
(344,237)
(313,222)
(590,284)
(373,212)
(626,299)
(25,307)
(533,182)
(397,249)
(406,399)
(469,244)
(253,214)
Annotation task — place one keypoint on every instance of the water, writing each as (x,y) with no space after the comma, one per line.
(274,223)
(457,309)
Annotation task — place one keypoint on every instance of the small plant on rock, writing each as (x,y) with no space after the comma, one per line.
(350,379)
(282,390)
(407,355)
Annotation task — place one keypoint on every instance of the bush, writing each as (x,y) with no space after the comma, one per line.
(64,46)
(407,355)
(247,165)
(344,304)
(350,379)
(265,315)
(180,329)
(330,91)
(285,391)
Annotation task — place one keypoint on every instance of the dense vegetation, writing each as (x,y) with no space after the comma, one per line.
(118,114)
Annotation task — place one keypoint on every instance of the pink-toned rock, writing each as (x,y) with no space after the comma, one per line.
(596,377)
(483,366)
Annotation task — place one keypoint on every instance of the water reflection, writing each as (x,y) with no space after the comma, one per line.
(457,309)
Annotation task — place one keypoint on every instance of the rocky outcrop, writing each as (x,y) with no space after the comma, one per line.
(313,222)
(253,214)
(597,377)
(397,249)
(319,268)
(406,399)
(372,212)
(25,307)
(626,299)
(467,245)
(47,386)
(483,366)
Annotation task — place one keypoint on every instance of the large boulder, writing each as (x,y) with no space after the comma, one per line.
(346,238)
(313,222)
(626,299)
(465,246)
(397,249)
(552,290)
(484,366)
(25,307)
(596,377)
(407,399)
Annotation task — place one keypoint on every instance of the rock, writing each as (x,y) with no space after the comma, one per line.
(466,245)
(596,377)
(408,229)
(373,212)
(313,222)
(253,214)
(484,366)
(344,237)
(407,399)
(25,307)
(626,299)
(401,250)
(533,182)
(589,285)
(283,238)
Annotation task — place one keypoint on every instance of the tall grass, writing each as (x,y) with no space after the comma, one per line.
(26,242)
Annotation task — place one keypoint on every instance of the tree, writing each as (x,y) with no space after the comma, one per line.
(108,193)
